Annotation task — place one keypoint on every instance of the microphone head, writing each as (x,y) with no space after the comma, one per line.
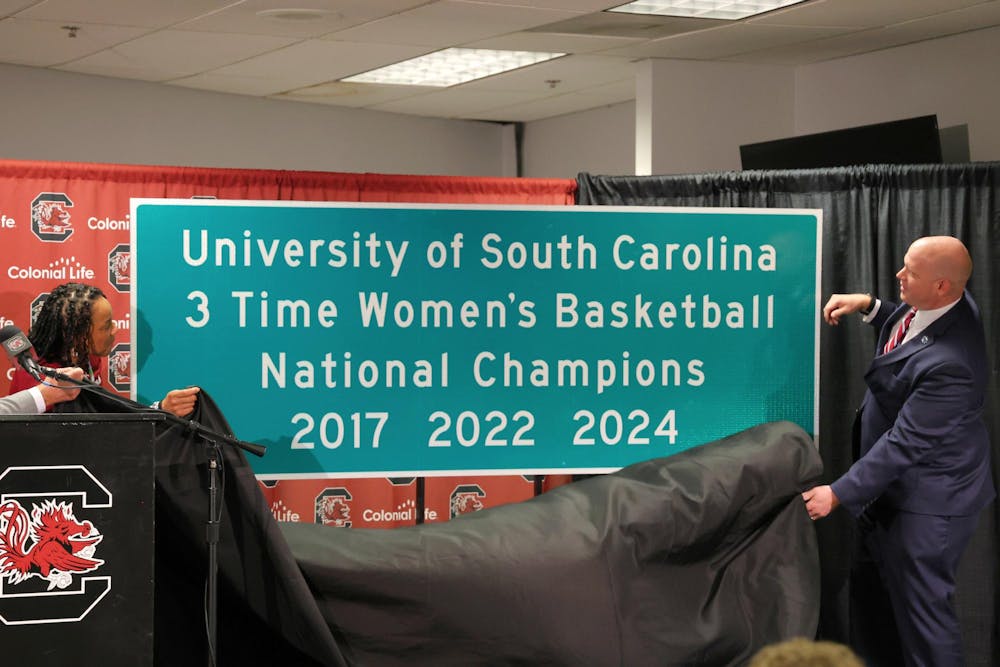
(14,342)
(20,350)
(9,330)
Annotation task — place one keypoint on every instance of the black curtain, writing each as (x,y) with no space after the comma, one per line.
(266,612)
(696,560)
(870,215)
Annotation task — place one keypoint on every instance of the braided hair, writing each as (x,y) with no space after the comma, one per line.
(61,331)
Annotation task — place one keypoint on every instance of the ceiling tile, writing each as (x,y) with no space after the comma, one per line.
(552,42)
(453,103)
(451,23)
(867,41)
(550,106)
(230,83)
(961,20)
(638,26)
(568,73)
(571,102)
(318,61)
(722,42)
(580,6)
(341,93)
(243,17)
(170,54)
(9,7)
(859,14)
(46,43)
(143,13)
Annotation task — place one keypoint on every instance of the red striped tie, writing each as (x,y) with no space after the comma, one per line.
(900,333)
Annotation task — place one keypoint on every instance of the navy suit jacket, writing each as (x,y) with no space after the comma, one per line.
(922,443)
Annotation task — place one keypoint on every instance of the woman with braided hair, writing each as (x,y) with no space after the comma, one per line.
(74,327)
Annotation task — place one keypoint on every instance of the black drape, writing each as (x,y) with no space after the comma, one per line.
(698,559)
(870,215)
(266,613)
(701,558)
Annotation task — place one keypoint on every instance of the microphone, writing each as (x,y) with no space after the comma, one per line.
(19,349)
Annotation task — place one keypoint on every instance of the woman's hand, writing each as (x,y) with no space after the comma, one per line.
(180,402)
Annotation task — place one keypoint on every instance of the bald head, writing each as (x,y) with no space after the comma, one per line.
(935,272)
(949,259)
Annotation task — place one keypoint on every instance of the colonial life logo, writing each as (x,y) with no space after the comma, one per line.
(44,550)
(64,269)
(405,513)
(50,219)
(282,512)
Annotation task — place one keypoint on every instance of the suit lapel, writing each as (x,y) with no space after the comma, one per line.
(883,337)
(900,352)
(924,340)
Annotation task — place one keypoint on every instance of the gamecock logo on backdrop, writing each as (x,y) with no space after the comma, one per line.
(45,548)
(466,498)
(119,263)
(49,217)
(333,508)
(36,306)
(120,367)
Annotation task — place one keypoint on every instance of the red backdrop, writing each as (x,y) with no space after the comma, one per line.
(63,222)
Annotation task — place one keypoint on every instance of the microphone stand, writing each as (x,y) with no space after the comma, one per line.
(212,439)
(190,425)
(212,541)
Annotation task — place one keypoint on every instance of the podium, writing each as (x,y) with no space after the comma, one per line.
(77,539)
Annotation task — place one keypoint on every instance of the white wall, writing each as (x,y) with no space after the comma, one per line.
(49,115)
(599,141)
(688,117)
(954,77)
(701,112)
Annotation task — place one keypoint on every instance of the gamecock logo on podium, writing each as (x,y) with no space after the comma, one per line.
(45,551)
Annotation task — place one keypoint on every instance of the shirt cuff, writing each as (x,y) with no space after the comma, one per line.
(873,312)
(36,394)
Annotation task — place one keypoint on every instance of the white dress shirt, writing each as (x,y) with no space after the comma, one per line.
(920,321)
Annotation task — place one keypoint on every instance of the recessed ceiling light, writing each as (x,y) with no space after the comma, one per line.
(450,67)
(730,10)
(292,14)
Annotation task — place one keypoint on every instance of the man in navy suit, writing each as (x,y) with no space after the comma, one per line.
(923,472)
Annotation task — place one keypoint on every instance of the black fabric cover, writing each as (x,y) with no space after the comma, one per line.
(266,613)
(697,559)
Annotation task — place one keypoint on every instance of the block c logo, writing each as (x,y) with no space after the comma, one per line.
(49,547)
(50,217)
